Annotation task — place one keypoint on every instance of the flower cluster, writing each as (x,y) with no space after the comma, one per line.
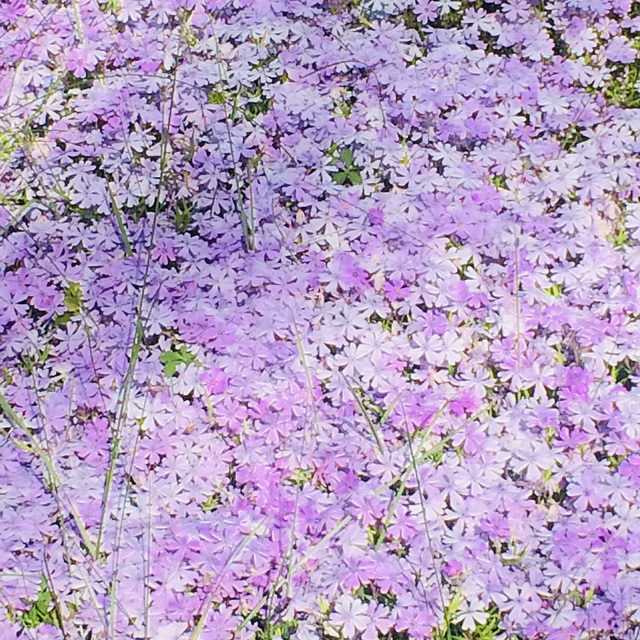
(319,319)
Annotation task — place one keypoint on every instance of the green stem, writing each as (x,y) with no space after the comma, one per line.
(128,251)
(363,411)
(247,232)
(343,523)
(54,479)
(207,607)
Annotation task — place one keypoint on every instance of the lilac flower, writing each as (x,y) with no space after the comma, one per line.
(81,60)
(619,50)
(497,285)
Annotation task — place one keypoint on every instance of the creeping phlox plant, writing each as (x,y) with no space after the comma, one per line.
(319,319)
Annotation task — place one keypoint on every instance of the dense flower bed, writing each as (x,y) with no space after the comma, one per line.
(319,319)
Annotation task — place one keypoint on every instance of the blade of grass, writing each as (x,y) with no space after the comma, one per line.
(247,232)
(336,529)
(423,510)
(128,251)
(363,411)
(232,556)
(116,435)
(54,479)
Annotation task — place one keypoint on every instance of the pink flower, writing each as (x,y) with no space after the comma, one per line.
(215,381)
(453,568)
(81,60)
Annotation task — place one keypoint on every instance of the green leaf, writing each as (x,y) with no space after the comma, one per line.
(340,177)
(41,611)
(73,297)
(211,503)
(354,177)
(216,97)
(182,217)
(347,156)
(61,320)
(555,290)
(171,360)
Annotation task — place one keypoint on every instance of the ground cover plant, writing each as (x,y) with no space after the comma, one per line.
(319,320)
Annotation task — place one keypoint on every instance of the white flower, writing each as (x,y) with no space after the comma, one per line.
(351,615)
(171,631)
(472,615)
(448,6)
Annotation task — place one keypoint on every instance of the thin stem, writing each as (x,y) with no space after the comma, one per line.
(128,251)
(338,527)
(134,354)
(209,603)
(423,509)
(516,293)
(54,479)
(78,19)
(363,411)
(247,231)
(403,478)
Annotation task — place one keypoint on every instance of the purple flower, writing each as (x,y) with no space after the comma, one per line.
(376,217)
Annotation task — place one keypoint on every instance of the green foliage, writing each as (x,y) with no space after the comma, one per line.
(171,359)
(349,174)
(453,19)
(490,629)
(8,376)
(42,611)
(376,534)
(216,97)
(385,323)
(582,599)
(451,629)
(300,477)
(283,629)
(462,271)
(572,137)
(499,181)
(623,90)
(435,455)
(139,211)
(620,238)
(337,6)
(31,362)
(257,104)
(623,372)
(453,243)
(371,593)
(211,503)
(411,21)
(7,144)
(555,290)
(73,298)
(182,216)
(615,461)
(523,394)
(73,83)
